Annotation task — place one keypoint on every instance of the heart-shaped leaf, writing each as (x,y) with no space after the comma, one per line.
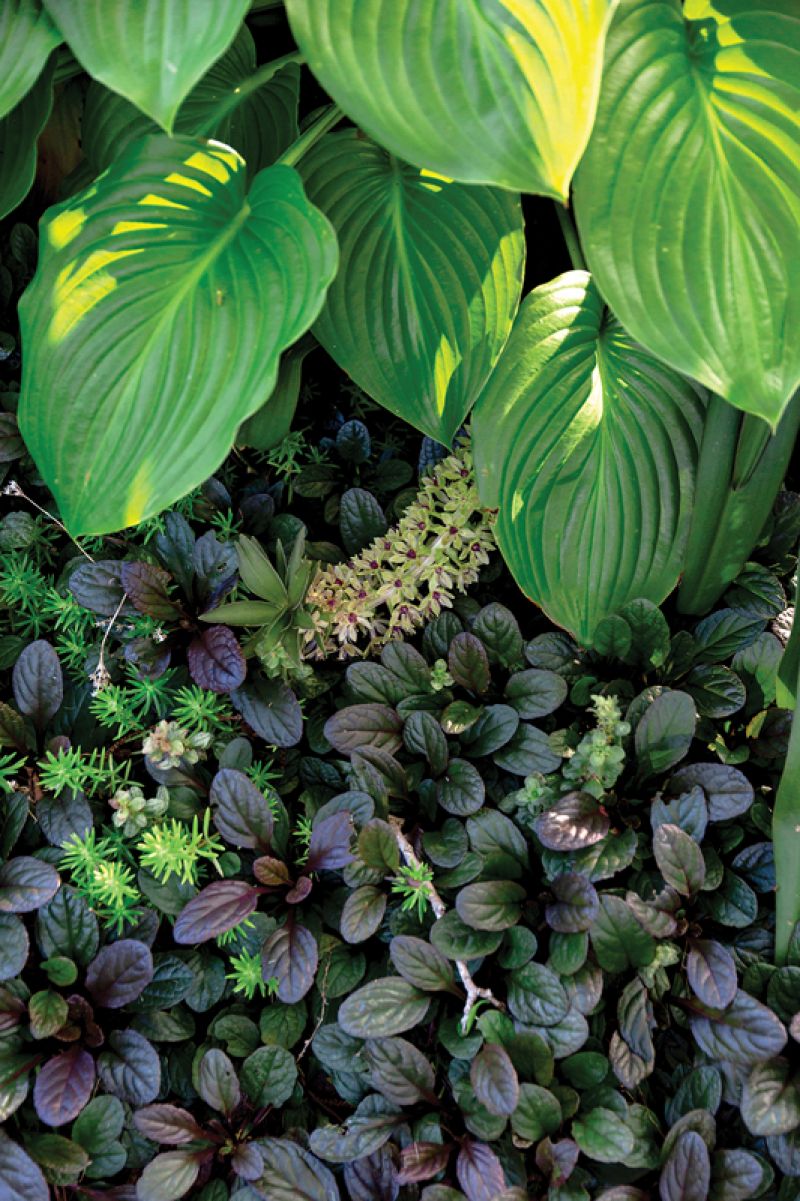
(688,197)
(522,81)
(168,44)
(429,281)
(253,110)
(561,434)
(197,285)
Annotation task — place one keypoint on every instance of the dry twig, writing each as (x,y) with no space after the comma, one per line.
(474,991)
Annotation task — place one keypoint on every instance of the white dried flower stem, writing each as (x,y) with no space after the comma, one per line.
(474,991)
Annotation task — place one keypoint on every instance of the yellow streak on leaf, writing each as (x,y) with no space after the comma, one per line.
(445,362)
(426,174)
(185,182)
(78,289)
(208,165)
(234,160)
(127,227)
(151,198)
(138,496)
(66,226)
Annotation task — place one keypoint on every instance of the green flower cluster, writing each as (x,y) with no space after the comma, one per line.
(408,575)
(134,811)
(169,745)
(599,758)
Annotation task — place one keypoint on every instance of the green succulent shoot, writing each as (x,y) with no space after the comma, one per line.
(279,615)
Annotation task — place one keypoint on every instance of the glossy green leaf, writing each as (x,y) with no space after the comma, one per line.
(196,286)
(602,1135)
(588,446)
(688,197)
(150,51)
(497,92)
(19,131)
(429,280)
(771,1099)
(389,1005)
(273,421)
(27,35)
(253,109)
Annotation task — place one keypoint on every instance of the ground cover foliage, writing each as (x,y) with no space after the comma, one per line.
(483,915)
(331,868)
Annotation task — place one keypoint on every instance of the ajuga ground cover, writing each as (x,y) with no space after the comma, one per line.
(332,868)
(397,893)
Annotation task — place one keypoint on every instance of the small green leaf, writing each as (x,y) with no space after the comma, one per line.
(603,1136)
(491,905)
(494,1079)
(679,859)
(383,1007)
(771,1099)
(665,732)
(618,940)
(268,1076)
(537,1114)
(400,1071)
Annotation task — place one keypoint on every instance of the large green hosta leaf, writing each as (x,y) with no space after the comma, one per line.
(153,327)
(27,35)
(234,102)
(19,131)
(151,51)
(428,284)
(495,91)
(588,445)
(688,197)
